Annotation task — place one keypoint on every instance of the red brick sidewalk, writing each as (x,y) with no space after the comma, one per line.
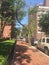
(24,55)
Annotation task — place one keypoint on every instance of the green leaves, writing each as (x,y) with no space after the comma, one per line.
(25,30)
(44,22)
(32,20)
(20,15)
(33,10)
(13,9)
(20,4)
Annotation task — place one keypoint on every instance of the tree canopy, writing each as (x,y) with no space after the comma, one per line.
(12,10)
(33,10)
(44,22)
(25,30)
(32,20)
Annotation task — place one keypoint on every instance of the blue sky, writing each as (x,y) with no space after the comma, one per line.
(30,3)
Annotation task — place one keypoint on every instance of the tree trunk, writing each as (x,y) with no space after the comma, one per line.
(29,38)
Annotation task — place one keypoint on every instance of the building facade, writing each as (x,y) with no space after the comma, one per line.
(46,2)
(7,28)
(41,10)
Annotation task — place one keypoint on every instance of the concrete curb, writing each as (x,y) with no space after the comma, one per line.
(32,47)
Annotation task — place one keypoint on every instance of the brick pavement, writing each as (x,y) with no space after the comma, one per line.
(25,55)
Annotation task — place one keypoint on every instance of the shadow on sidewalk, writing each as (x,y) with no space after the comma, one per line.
(21,56)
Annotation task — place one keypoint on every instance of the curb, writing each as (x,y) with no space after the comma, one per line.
(32,47)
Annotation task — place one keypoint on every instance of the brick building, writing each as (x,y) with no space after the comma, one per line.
(7,29)
(46,2)
(41,10)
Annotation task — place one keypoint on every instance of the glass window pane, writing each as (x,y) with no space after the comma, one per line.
(47,40)
(43,40)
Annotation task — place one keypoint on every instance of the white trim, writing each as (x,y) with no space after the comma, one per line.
(38,32)
(45,7)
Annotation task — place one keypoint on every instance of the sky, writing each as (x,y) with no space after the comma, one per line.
(30,3)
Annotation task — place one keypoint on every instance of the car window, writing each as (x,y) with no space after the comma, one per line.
(47,40)
(43,40)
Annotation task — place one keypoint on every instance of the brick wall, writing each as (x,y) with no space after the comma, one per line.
(7,31)
(46,2)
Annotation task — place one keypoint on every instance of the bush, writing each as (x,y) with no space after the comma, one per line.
(5,46)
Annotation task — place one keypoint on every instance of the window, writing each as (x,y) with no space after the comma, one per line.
(43,40)
(47,40)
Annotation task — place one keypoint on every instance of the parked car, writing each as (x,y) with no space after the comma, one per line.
(35,42)
(44,44)
(22,38)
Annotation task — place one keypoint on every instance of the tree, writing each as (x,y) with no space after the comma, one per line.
(44,23)
(16,32)
(12,11)
(32,22)
(24,30)
(33,10)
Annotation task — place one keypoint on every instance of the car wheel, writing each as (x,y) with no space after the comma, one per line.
(46,51)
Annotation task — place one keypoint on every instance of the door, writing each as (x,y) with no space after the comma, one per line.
(42,43)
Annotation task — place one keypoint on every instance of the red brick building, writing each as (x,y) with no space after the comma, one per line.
(46,2)
(41,10)
(7,29)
